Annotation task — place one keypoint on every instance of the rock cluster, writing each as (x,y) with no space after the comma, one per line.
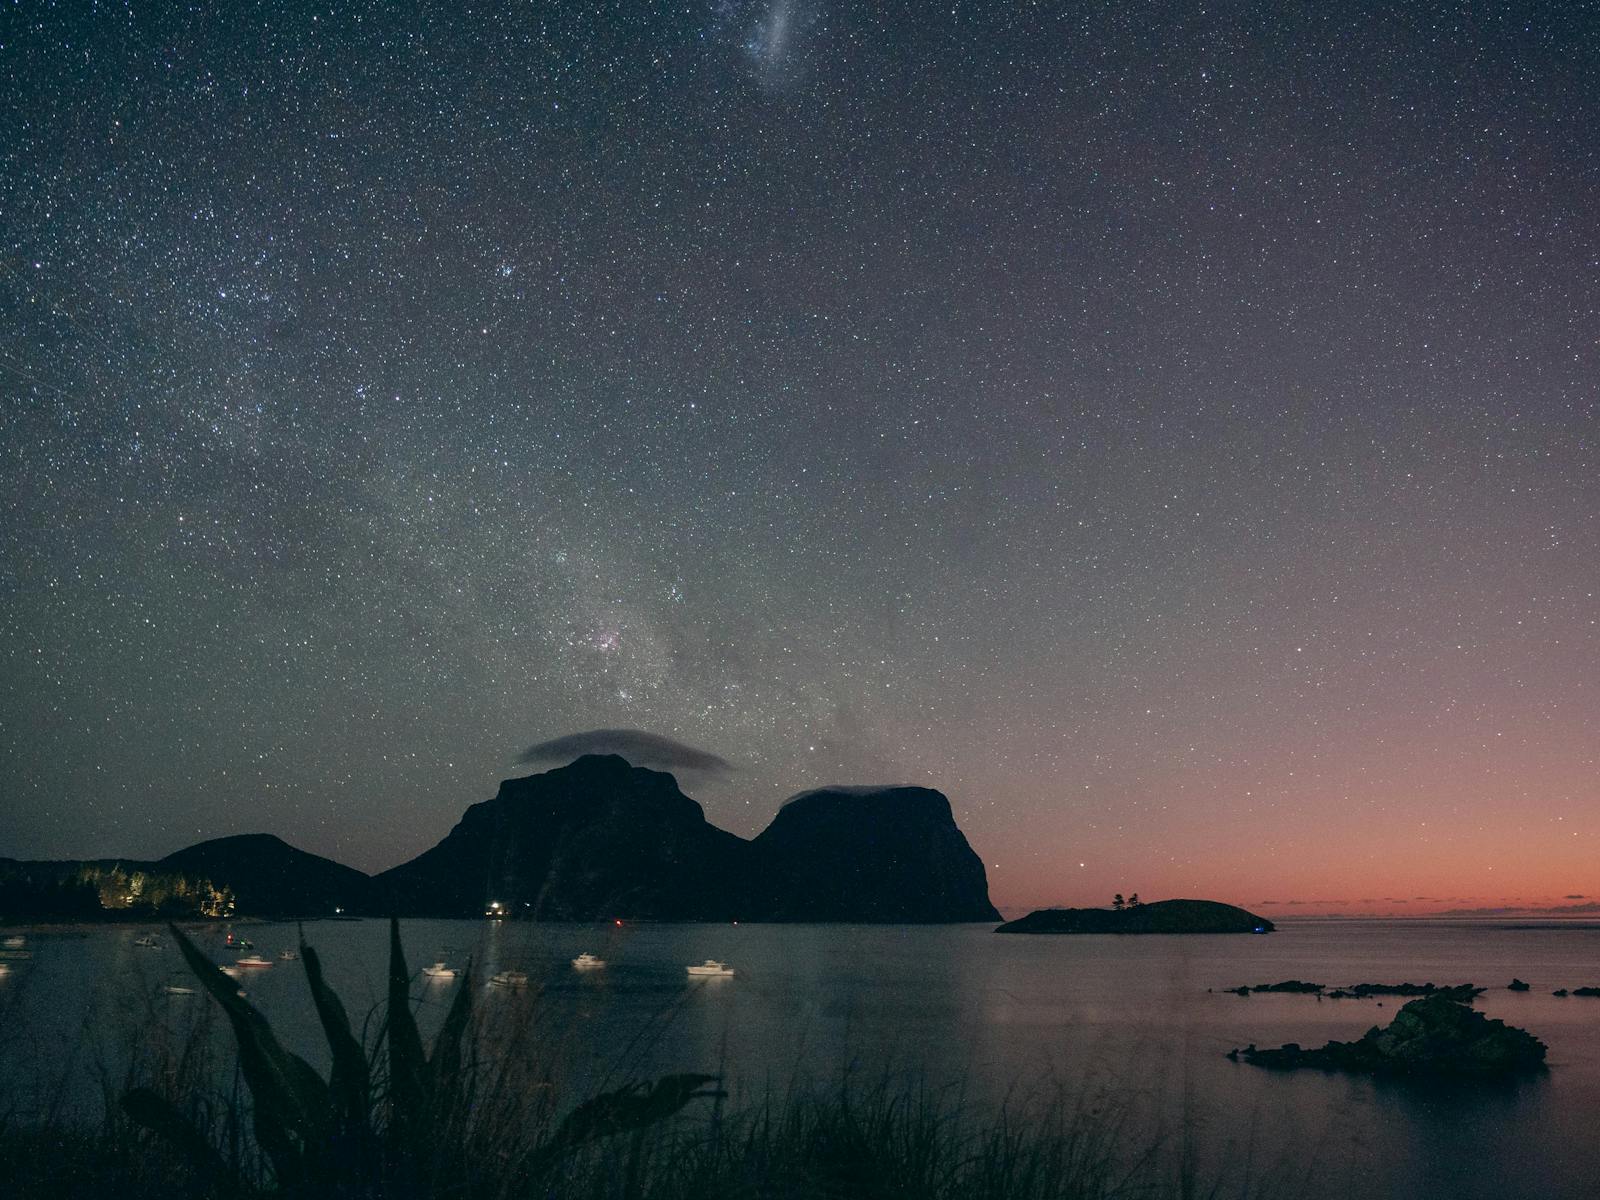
(1362,991)
(1435,1035)
(1297,986)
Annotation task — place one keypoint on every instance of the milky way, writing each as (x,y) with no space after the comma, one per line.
(1170,432)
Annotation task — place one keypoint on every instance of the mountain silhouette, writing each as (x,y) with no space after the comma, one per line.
(599,839)
(269,877)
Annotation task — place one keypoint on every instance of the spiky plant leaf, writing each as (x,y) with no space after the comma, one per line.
(633,1107)
(444,1065)
(406,1061)
(292,1108)
(350,1085)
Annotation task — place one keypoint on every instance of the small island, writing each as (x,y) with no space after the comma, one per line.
(1160,916)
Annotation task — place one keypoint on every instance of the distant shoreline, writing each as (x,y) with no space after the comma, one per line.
(26,926)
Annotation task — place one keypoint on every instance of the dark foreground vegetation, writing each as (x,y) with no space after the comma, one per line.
(801,1147)
(478,1116)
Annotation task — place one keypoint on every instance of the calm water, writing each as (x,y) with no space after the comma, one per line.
(1126,1022)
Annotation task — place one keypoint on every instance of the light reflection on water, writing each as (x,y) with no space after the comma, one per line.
(1127,1023)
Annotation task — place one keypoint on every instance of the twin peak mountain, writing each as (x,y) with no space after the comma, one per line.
(600,839)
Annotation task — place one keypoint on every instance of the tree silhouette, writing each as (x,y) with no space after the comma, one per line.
(1117,902)
(1133,900)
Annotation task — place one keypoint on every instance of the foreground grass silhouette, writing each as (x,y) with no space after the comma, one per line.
(468,1119)
(833,1146)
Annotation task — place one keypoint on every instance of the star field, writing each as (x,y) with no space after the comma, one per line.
(1171,431)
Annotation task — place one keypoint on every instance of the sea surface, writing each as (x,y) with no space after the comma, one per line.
(1133,1028)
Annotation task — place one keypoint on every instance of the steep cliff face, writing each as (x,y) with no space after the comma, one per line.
(885,854)
(594,840)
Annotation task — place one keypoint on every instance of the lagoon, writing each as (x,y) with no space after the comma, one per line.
(1132,1028)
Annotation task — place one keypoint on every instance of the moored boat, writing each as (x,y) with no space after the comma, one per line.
(510,979)
(712,969)
(440,971)
(253,960)
(588,962)
(288,955)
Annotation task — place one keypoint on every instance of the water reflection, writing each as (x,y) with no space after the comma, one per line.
(1118,1025)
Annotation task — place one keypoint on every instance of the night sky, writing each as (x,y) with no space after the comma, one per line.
(1171,430)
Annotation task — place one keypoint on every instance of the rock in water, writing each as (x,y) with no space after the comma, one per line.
(1361,991)
(1292,986)
(1162,916)
(1431,1036)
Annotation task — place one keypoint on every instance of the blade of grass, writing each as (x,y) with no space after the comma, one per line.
(163,1119)
(292,1108)
(633,1107)
(406,1061)
(444,1067)
(350,1084)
